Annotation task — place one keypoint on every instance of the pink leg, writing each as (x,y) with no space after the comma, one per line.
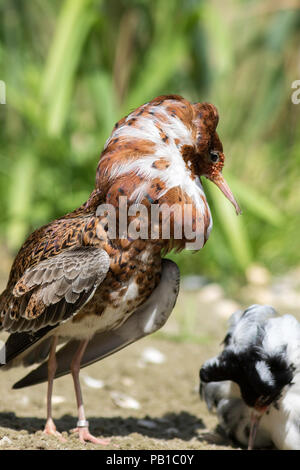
(83,426)
(50,427)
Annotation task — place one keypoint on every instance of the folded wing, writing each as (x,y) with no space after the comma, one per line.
(50,293)
(149,317)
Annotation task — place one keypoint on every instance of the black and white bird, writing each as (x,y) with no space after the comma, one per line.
(256,379)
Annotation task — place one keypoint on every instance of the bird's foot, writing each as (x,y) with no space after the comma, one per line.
(50,429)
(86,436)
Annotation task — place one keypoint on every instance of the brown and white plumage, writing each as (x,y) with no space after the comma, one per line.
(72,281)
(58,287)
(146,319)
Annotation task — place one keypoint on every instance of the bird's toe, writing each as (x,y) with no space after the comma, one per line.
(86,436)
(50,430)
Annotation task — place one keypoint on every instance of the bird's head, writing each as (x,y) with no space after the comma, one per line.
(157,155)
(170,141)
(260,377)
(209,149)
(264,382)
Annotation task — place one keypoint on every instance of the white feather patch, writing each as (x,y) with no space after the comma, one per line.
(264,372)
(176,174)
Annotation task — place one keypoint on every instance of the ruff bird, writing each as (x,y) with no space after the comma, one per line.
(254,383)
(92,288)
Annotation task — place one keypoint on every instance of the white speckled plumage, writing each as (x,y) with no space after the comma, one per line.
(177,174)
(260,331)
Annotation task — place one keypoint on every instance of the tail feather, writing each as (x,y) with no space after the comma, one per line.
(18,343)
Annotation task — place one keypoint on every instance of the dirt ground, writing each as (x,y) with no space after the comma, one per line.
(170,416)
(164,410)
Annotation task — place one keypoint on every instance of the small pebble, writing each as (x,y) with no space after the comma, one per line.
(146,423)
(5,441)
(152,356)
(171,431)
(93,383)
(124,401)
(56,400)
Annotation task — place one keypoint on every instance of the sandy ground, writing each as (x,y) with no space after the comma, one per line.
(165,409)
(170,413)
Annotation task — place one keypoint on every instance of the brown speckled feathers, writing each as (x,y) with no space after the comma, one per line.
(98,288)
(71,271)
(51,290)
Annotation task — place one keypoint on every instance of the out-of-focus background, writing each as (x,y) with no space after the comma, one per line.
(72,68)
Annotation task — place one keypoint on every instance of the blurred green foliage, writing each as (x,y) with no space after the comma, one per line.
(72,68)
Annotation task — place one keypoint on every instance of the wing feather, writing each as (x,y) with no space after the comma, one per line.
(56,288)
(149,317)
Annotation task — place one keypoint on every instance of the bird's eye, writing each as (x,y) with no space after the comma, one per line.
(214,156)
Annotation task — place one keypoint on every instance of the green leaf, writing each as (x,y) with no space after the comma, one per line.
(20,195)
(233,228)
(255,202)
(102,93)
(73,26)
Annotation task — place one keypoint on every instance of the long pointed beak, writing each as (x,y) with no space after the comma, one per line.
(220,181)
(256,416)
